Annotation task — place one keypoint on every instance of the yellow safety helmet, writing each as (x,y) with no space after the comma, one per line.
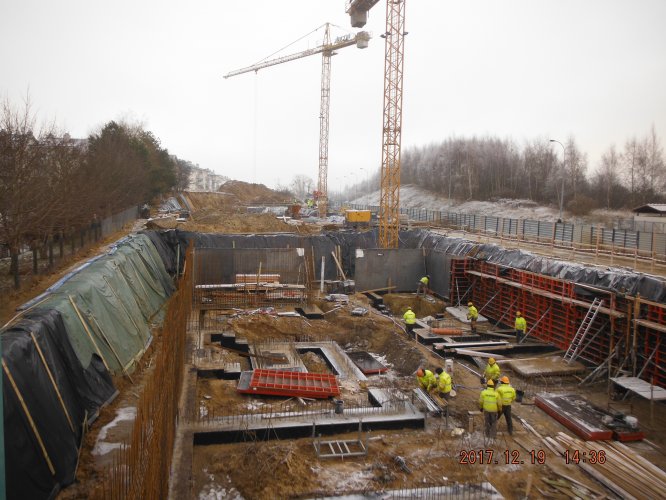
(490,383)
(470,303)
(504,379)
(517,313)
(491,361)
(409,308)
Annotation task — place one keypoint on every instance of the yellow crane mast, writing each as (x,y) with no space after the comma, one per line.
(389,206)
(327,49)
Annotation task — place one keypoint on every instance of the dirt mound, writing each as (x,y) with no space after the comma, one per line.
(398,303)
(233,194)
(247,193)
(201,201)
(212,220)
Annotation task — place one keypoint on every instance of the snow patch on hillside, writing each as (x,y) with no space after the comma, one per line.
(412,196)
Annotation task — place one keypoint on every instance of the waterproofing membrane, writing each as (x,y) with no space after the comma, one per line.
(116,297)
(613,279)
(83,391)
(167,242)
(100,314)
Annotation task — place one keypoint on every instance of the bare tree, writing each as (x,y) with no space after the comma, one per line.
(608,173)
(33,164)
(656,166)
(301,185)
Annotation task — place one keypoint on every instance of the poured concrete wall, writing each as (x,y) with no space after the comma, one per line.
(438,266)
(379,268)
(220,265)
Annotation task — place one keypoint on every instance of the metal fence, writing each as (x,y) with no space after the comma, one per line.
(117,221)
(583,236)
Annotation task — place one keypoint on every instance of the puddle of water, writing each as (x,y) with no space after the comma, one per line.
(103,447)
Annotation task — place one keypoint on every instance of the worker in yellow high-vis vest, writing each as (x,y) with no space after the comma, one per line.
(490,404)
(520,327)
(507,396)
(410,320)
(426,379)
(472,316)
(444,383)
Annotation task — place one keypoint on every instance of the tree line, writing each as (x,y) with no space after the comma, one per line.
(490,168)
(52,185)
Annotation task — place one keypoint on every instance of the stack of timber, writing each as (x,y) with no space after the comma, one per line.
(616,466)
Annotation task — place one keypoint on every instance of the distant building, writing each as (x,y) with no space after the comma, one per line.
(203,179)
(650,217)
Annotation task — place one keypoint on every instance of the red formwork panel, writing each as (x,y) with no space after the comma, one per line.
(576,414)
(555,308)
(291,384)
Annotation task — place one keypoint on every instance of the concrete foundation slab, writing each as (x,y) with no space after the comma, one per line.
(394,414)
(460,313)
(366,363)
(550,365)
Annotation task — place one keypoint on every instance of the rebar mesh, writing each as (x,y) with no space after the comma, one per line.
(249,278)
(141,468)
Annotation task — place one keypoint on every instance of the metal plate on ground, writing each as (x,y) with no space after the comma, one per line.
(366,363)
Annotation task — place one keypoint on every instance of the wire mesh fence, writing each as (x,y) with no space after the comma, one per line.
(644,242)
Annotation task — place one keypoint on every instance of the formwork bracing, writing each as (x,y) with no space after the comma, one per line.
(627,330)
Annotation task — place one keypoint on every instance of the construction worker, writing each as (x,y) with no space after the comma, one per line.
(426,379)
(492,371)
(410,320)
(507,395)
(422,286)
(520,326)
(444,383)
(472,316)
(490,404)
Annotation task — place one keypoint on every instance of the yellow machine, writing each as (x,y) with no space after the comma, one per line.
(357,218)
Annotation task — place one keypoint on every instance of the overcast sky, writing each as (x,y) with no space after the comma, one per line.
(521,69)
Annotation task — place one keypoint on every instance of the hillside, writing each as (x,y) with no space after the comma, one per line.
(412,196)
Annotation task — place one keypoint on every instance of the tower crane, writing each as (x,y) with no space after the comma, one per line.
(327,49)
(389,210)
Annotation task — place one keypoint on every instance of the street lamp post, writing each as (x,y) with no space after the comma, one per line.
(564,158)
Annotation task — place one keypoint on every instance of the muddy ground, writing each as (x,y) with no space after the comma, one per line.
(290,469)
(434,456)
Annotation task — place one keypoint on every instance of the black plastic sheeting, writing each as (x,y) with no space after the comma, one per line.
(167,242)
(614,279)
(610,278)
(83,392)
